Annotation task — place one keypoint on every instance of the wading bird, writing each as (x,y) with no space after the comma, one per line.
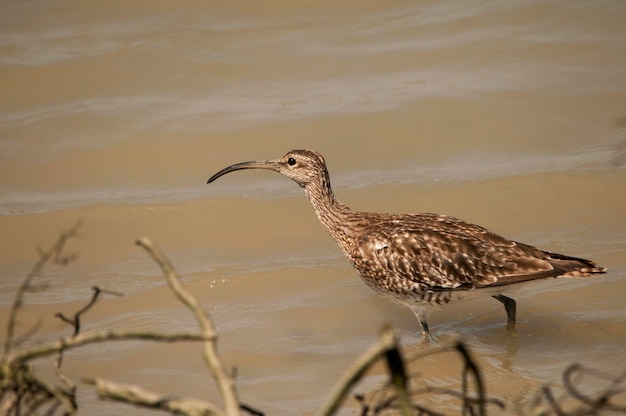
(421,260)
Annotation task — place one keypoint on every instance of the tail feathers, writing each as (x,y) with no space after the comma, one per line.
(568,266)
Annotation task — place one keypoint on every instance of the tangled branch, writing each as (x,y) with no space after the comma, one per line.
(472,394)
(23,392)
(578,402)
(55,255)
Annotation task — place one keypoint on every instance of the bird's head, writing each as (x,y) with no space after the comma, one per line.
(303,166)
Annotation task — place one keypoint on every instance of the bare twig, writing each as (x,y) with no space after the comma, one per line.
(27,334)
(54,254)
(390,403)
(75,321)
(399,379)
(355,372)
(51,348)
(552,401)
(458,394)
(250,410)
(71,386)
(211,356)
(471,368)
(603,400)
(140,397)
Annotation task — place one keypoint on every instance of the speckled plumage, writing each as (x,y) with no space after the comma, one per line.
(420,260)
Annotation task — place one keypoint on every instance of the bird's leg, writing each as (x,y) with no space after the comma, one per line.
(425,329)
(510,306)
(420,314)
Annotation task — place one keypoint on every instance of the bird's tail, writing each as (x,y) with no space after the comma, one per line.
(573,266)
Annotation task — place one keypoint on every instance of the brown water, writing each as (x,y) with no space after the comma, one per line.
(510,115)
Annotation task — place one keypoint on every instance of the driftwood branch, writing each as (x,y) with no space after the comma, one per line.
(136,395)
(224,380)
(80,340)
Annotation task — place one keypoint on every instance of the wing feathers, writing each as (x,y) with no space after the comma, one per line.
(444,252)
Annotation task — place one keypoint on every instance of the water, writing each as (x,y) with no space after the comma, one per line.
(507,115)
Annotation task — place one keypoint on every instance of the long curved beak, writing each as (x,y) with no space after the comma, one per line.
(266,164)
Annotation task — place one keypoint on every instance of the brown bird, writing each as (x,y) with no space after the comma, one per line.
(420,260)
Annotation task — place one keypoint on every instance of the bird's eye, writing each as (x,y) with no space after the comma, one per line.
(291,161)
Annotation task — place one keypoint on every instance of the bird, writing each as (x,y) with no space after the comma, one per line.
(421,260)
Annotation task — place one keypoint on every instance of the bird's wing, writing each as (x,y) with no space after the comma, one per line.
(444,252)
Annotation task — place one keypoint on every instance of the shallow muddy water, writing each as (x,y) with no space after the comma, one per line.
(510,115)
